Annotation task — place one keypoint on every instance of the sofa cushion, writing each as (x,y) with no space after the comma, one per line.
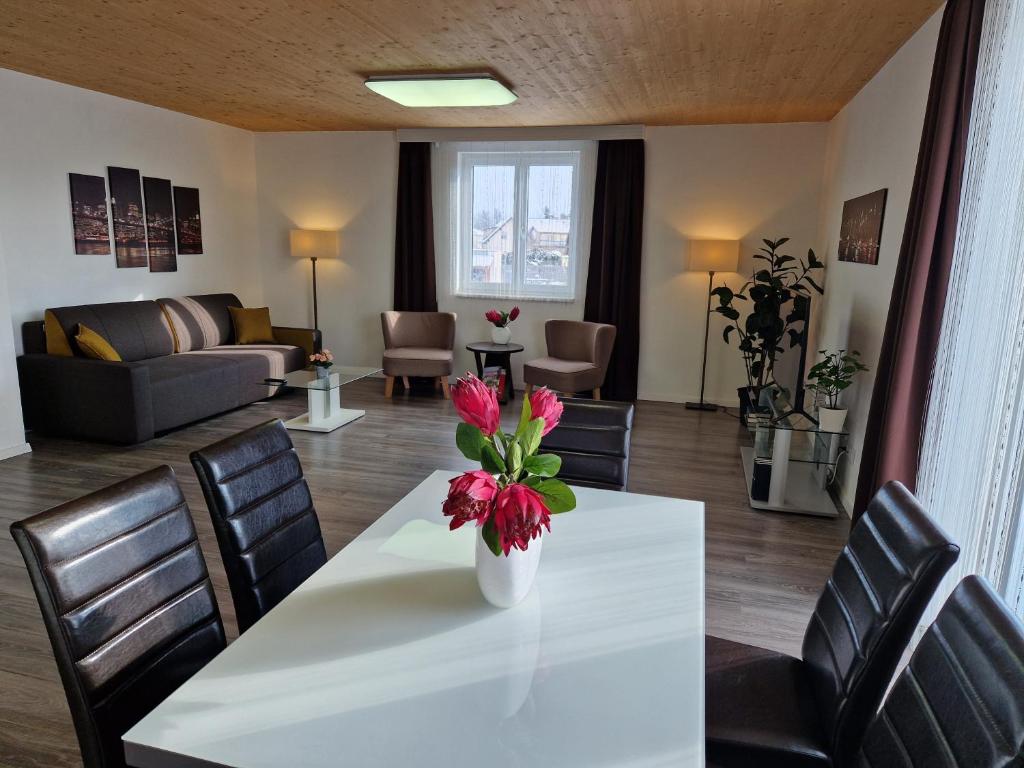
(417,361)
(200,322)
(277,359)
(95,346)
(136,329)
(252,326)
(562,375)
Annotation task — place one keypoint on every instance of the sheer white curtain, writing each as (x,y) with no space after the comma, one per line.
(512,217)
(971,476)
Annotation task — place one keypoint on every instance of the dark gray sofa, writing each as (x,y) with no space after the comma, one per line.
(155,388)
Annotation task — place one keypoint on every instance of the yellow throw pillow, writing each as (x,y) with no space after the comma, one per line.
(252,326)
(95,346)
(56,340)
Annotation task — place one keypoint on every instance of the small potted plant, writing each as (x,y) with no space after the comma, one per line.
(501,333)
(322,362)
(829,378)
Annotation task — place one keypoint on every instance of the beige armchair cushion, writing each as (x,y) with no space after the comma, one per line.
(417,361)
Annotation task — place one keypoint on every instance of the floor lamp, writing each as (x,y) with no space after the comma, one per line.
(314,244)
(711,256)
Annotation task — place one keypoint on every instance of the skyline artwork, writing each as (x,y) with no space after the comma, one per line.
(126,212)
(89,214)
(160,224)
(188,224)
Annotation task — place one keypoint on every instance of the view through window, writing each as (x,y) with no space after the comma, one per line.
(518,216)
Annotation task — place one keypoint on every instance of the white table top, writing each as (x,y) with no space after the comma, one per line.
(389,656)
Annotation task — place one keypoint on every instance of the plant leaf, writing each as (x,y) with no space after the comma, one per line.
(524,419)
(491,461)
(470,440)
(814,285)
(491,539)
(558,497)
(530,439)
(544,464)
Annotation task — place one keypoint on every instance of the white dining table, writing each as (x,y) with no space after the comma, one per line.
(389,655)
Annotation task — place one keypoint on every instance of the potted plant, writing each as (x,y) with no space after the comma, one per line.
(829,378)
(511,499)
(322,362)
(771,289)
(501,333)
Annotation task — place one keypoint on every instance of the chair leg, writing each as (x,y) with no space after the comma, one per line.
(445,388)
(597,393)
(405,383)
(389,385)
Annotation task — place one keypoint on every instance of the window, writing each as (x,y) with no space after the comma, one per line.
(517,223)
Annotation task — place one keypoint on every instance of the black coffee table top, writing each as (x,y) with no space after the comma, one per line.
(490,348)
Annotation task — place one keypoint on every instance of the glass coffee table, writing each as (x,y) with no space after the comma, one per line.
(324,396)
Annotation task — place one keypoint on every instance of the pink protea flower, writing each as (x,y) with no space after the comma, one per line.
(470,497)
(477,404)
(493,316)
(519,516)
(513,314)
(545,404)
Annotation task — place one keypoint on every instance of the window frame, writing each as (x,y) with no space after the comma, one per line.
(522,161)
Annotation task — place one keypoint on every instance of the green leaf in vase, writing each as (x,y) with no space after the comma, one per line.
(558,497)
(491,461)
(544,464)
(470,440)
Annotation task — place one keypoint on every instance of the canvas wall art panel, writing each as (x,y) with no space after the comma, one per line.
(89,214)
(126,212)
(860,234)
(160,225)
(189,225)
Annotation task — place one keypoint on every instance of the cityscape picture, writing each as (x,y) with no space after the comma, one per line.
(126,214)
(188,224)
(159,225)
(861,231)
(89,214)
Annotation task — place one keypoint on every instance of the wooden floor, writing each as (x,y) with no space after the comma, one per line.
(764,570)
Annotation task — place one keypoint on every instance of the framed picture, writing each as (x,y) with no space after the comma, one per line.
(89,214)
(861,232)
(160,225)
(126,214)
(188,224)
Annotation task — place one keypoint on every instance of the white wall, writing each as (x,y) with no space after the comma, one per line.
(49,129)
(717,182)
(743,182)
(872,144)
(12,431)
(344,181)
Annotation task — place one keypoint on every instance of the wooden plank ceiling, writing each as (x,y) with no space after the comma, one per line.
(271,65)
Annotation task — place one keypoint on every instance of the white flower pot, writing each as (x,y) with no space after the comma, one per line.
(831,419)
(505,581)
(501,335)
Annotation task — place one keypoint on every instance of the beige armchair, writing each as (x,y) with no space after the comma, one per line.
(417,344)
(578,354)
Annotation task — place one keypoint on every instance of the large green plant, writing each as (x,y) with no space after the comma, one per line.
(771,289)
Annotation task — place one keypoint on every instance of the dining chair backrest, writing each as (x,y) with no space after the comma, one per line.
(864,619)
(127,603)
(960,700)
(267,530)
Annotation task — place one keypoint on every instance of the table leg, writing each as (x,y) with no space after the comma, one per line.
(479,365)
(325,412)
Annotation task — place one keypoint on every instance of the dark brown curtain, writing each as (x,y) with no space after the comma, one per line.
(892,439)
(415,288)
(613,280)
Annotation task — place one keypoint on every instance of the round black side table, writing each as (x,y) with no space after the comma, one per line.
(496,354)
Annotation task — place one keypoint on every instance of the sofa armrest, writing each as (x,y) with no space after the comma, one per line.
(81,397)
(307,338)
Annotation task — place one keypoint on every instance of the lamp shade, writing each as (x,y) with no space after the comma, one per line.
(714,255)
(314,243)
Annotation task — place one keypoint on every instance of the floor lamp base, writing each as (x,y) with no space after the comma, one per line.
(701,407)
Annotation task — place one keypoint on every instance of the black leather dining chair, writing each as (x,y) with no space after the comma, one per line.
(127,603)
(592,440)
(768,709)
(267,529)
(960,700)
